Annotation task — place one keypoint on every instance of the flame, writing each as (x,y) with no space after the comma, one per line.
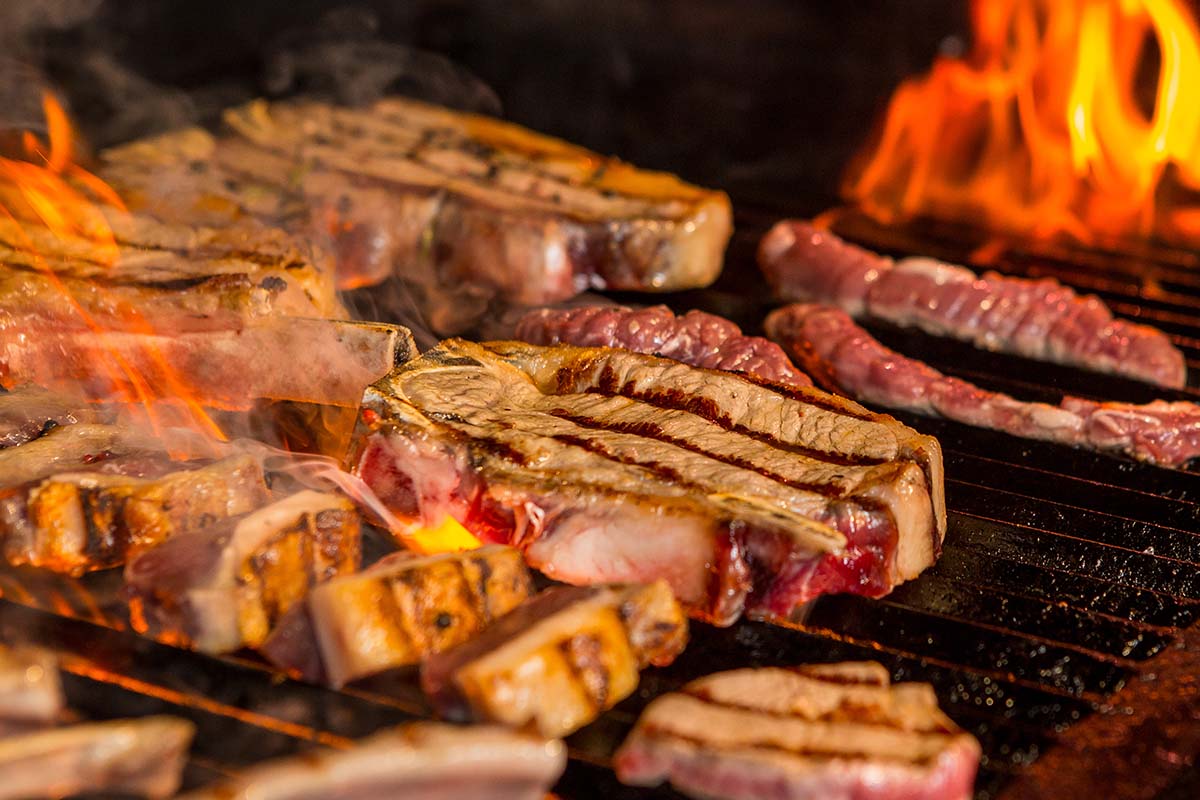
(1044,128)
(65,198)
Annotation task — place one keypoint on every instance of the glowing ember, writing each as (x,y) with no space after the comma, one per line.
(48,188)
(1063,118)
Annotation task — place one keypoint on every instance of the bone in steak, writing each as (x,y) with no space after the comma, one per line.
(1040,319)
(696,338)
(142,757)
(603,465)
(225,588)
(30,688)
(845,357)
(558,661)
(406,608)
(812,733)
(421,761)
(75,522)
(465,208)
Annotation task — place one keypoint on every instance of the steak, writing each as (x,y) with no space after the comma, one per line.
(142,757)
(829,731)
(420,761)
(75,522)
(846,358)
(558,661)
(226,587)
(1039,319)
(696,338)
(407,608)
(603,465)
(465,209)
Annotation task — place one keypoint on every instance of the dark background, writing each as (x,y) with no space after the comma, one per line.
(764,98)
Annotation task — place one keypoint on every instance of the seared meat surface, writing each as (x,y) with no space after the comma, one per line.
(819,732)
(603,465)
(226,587)
(30,411)
(421,761)
(465,209)
(558,661)
(408,607)
(1040,319)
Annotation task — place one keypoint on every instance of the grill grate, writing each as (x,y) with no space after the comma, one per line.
(1067,579)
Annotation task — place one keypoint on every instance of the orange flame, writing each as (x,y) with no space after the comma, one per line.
(67,200)
(1045,127)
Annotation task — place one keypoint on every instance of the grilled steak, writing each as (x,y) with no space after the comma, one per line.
(225,588)
(831,731)
(79,447)
(608,466)
(1040,319)
(30,689)
(79,521)
(846,358)
(421,761)
(561,659)
(156,273)
(30,411)
(142,757)
(464,208)
(407,608)
(697,338)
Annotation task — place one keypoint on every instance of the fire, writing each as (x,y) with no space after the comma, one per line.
(47,187)
(1048,126)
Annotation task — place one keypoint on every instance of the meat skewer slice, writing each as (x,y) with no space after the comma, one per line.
(603,465)
(555,663)
(135,757)
(845,357)
(407,607)
(1039,319)
(464,208)
(696,338)
(226,587)
(421,761)
(75,522)
(30,688)
(836,730)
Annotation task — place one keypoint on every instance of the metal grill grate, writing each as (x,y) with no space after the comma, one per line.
(1067,580)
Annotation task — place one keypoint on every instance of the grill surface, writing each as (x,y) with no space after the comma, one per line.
(1053,627)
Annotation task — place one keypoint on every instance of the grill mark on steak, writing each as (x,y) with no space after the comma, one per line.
(657,732)
(651,430)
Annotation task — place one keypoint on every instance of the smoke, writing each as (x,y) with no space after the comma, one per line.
(342,59)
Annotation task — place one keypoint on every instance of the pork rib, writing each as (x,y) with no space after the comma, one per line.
(407,608)
(603,465)
(828,731)
(225,588)
(75,522)
(846,358)
(696,338)
(1039,319)
(556,662)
